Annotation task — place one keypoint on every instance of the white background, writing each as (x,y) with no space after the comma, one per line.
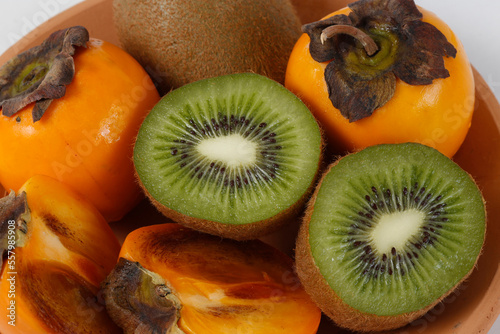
(477,24)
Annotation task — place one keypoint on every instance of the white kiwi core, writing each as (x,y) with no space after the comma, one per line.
(394,229)
(233,150)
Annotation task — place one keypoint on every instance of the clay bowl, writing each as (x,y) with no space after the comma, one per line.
(474,307)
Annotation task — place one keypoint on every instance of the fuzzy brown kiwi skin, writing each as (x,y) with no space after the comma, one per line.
(325,297)
(236,231)
(178,42)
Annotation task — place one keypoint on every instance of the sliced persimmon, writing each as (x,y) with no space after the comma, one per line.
(57,249)
(212,285)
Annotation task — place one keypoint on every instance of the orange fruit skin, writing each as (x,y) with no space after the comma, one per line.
(85,138)
(52,281)
(225,286)
(438,115)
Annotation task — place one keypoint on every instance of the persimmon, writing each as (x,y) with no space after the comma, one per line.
(83,134)
(412,83)
(173,279)
(57,249)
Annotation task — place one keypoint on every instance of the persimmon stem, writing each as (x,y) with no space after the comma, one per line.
(365,40)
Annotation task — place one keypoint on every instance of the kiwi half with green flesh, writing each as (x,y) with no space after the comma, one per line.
(236,155)
(389,232)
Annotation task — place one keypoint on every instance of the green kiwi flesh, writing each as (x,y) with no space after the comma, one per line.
(389,232)
(233,155)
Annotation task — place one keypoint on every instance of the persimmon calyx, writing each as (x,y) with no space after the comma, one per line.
(41,73)
(14,218)
(360,78)
(140,301)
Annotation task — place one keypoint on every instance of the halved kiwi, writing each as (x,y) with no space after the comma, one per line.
(389,232)
(234,155)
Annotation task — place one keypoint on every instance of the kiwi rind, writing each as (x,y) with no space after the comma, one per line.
(236,232)
(325,296)
(223,221)
(181,41)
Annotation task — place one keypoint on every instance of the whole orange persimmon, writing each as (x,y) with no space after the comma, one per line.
(82,134)
(57,249)
(416,85)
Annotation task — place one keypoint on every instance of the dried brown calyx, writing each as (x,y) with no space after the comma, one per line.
(140,301)
(377,42)
(41,73)
(14,219)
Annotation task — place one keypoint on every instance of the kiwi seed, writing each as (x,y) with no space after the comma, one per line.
(235,155)
(389,232)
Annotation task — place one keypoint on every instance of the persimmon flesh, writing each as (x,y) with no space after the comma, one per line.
(438,115)
(224,286)
(51,279)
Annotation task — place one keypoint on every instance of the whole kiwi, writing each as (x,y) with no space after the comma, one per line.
(180,41)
